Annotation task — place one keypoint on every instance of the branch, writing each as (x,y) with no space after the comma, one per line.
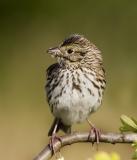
(112,138)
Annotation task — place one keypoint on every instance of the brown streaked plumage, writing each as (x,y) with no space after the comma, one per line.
(75,84)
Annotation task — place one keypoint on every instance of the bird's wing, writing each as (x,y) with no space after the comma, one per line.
(51,73)
(52,69)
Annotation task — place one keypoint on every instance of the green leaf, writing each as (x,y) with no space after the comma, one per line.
(135,121)
(129,124)
(134,145)
(134,155)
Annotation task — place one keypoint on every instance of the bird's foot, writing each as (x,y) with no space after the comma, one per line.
(53,139)
(96,132)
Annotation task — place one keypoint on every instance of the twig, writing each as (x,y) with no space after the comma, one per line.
(113,138)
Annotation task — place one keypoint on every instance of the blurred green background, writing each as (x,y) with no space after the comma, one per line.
(27,30)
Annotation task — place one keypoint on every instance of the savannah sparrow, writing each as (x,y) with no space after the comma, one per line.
(75,84)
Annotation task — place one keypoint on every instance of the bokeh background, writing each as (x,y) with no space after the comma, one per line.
(27,30)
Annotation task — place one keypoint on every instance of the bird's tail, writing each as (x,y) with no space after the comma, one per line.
(57,123)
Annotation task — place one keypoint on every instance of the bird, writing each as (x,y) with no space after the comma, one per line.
(75,83)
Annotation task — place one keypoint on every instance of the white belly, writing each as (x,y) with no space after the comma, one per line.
(75,105)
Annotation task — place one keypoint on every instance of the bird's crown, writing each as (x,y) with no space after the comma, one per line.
(75,39)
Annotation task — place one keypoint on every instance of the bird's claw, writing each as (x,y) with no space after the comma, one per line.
(97,135)
(95,131)
(53,139)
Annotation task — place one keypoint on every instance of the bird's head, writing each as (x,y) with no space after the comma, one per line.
(75,49)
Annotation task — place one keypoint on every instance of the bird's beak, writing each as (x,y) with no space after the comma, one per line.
(54,51)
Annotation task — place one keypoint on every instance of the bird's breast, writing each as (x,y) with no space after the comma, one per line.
(76,94)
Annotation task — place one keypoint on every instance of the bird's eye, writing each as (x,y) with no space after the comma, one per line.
(69,51)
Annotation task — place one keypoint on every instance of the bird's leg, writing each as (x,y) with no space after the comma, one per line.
(95,131)
(54,138)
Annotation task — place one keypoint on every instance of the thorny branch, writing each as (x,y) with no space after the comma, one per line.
(112,138)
